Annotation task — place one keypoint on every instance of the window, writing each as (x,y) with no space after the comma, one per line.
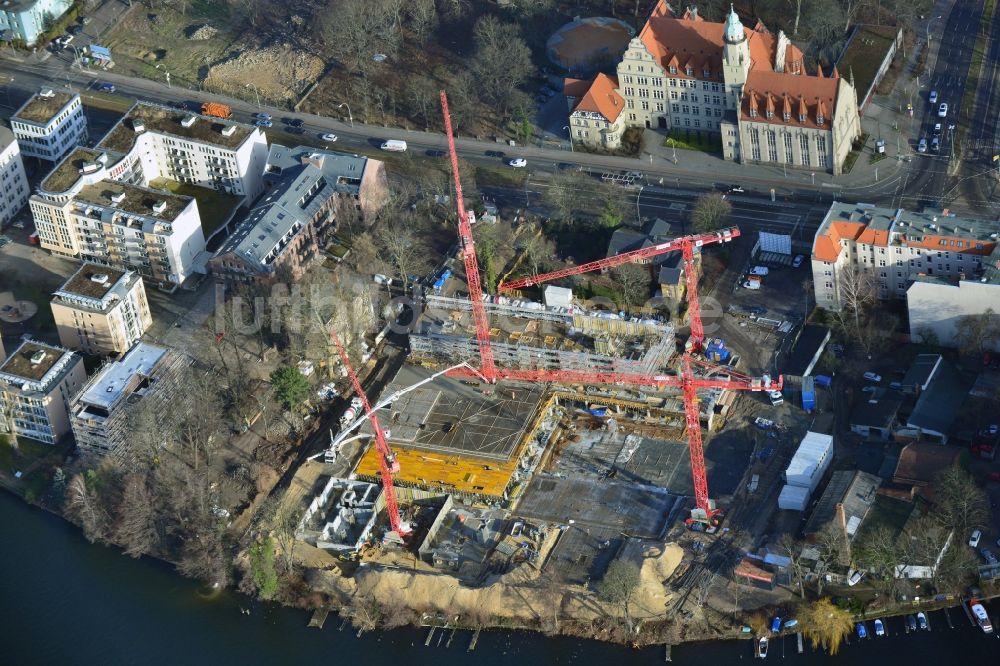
(673,94)
(687,122)
(819,118)
(673,83)
(626,79)
(802,117)
(769,113)
(695,110)
(821,152)
(657,81)
(804,147)
(676,108)
(694,98)
(772,146)
(657,94)
(787,139)
(673,70)
(755,144)
(659,107)
(643,93)
(706,73)
(753,112)
(630,104)
(629,91)
(684,97)
(642,81)
(684,83)
(715,87)
(689,71)
(718,113)
(685,108)
(645,105)
(631,116)
(697,123)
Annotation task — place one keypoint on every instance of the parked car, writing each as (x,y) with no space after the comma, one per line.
(879,628)
(855,577)
(262,116)
(294,122)
(327,136)
(922,145)
(872,377)
(751,285)
(106,87)
(943,111)
(735,189)
(775,397)
(989,556)
(922,621)
(937,129)
(896,386)
(797,261)
(974,539)
(517,162)
(936,143)
(762,423)
(869,389)
(933,97)
(991,429)
(759,270)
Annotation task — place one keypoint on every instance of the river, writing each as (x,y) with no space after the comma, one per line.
(64,601)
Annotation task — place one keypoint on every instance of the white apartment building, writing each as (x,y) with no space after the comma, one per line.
(154,141)
(37,383)
(746,85)
(900,248)
(152,232)
(14,189)
(146,375)
(50,124)
(101,310)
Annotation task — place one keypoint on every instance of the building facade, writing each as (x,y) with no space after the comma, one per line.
(101,310)
(25,20)
(50,124)
(37,383)
(936,307)
(14,189)
(746,85)
(151,232)
(596,119)
(147,376)
(288,227)
(897,248)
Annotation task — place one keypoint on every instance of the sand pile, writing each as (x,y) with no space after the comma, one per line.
(278,72)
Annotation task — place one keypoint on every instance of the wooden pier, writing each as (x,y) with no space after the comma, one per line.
(475,640)
(430,635)
(668,656)
(798,637)
(318,618)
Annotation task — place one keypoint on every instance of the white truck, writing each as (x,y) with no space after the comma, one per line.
(394,146)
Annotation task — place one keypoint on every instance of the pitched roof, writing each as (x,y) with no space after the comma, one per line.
(602,97)
(811,98)
(827,246)
(920,462)
(939,404)
(575,88)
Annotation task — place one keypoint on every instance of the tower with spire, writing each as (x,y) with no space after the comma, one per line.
(735,58)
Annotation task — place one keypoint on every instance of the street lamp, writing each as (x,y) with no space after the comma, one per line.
(255,92)
(569,133)
(929,22)
(673,147)
(638,215)
(349,116)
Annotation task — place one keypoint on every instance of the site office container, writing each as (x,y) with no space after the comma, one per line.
(810,461)
(793,498)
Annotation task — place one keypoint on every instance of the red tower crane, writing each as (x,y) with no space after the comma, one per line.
(387,462)
(687,381)
(686,244)
(488,367)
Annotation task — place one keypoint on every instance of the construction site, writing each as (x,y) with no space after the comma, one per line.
(523,436)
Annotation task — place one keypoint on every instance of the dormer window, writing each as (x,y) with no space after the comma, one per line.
(689,71)
(802,117)
(770,114)
(705,73)
(753,113)
(819,120)
(787,116)
(673,70)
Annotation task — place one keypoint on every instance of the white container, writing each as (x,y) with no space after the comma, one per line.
(557,297)
(793,498)
(810,461)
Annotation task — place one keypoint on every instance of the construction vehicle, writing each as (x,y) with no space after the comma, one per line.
(705,515)
(216,110)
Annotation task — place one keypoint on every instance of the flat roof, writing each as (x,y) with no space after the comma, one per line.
(19,362)
(82,283)
(939,404)
(808,344)
(137,200)
(164,120)
(112,381)
(921,370)
(67,172)
(447,416)
(879,410)
(41,110)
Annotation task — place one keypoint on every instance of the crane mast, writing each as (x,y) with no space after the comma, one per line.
(387,463)
(488,368)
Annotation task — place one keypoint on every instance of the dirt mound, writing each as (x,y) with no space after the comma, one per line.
(278,73)
(198,32)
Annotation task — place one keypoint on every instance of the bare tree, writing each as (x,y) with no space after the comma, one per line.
(135,529)
(84,506)
(979,332)
(709,212)
(423,18)
(502,61)
(959,501)
(787,543)
(361,28)
(281,520)
(634,282)
(422,95)
(857,291)
(619,585)
(403,248)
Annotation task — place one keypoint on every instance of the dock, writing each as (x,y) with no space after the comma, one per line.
(968,612)
(667,656)
(318,618)
(475,640)
(947,616)
(450,637)
(430,635)
(798,638)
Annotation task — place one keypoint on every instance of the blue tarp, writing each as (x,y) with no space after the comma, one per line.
(101,52)
(439,283)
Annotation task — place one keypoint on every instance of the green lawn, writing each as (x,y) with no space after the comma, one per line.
(706,142)
(975,68)
(27,452)
(214,207)
(106,101)
(864,55)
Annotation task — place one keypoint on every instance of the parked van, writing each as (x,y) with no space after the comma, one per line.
(751,285)
(754,482)
(394,146)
